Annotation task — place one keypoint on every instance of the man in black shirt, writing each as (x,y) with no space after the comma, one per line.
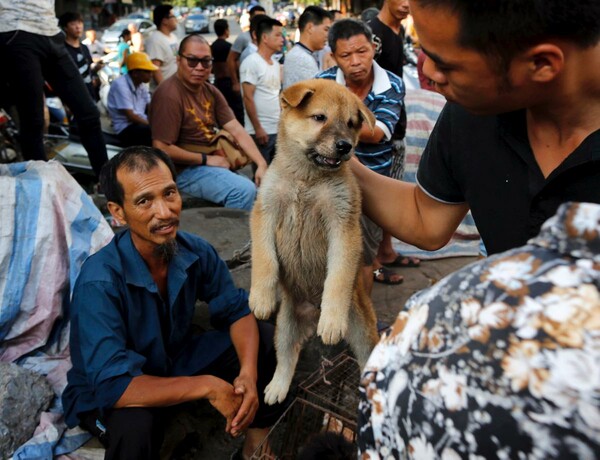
(521,132)
(72,26)
(220,50)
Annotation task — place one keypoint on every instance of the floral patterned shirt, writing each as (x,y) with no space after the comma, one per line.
(498,360)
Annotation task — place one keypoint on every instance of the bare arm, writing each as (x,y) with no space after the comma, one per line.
(370,137)
(247,144)
(157,74)
(261,135)
(233,64)
(134,118)
(244,335)
(407,212)
(184,157)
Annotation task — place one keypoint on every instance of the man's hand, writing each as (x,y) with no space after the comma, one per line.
(218,161)
(259,174)
(244,386)
(227,401)
(261,136)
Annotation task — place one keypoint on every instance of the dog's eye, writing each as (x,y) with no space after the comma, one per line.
(350,124)
(320,118)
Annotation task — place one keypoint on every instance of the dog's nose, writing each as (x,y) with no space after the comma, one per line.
(343,147)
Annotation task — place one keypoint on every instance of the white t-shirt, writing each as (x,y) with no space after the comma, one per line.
(164,48)
(267,80)
(34,16)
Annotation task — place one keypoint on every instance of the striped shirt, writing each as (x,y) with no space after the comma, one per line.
(385,101)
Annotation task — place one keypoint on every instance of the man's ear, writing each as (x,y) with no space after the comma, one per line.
(116,210)
(295,94)
(544,62)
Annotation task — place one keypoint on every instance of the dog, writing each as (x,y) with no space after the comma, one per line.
(305,230)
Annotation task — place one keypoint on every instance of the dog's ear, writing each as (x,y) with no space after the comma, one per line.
(295,94)
(366,115)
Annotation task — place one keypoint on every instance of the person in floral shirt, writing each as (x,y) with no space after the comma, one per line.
(498,360)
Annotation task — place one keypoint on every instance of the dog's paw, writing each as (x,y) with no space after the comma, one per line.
(331,329)
(262,303)
(276,391)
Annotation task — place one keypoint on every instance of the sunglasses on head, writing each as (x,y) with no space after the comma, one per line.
(206,62)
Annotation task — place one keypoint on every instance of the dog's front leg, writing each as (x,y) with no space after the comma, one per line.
(265,268)
(291,331)
(343,258)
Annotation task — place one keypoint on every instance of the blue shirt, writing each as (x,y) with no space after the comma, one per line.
(385,101)
(121,327)
(124,95)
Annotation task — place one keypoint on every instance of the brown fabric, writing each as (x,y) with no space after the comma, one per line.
(223,144)
(181,116)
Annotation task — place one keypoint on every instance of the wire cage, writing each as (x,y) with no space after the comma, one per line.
(327,402)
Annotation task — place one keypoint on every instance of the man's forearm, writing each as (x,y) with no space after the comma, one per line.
(244,335)
(233,66)
(245,142)
(177,154)
(151,391)
(251,111)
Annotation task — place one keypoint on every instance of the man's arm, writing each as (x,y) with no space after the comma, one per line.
(261,135)
(406,211)
(150,391)
(157,74)
(370,137)
(244,335)
(134,118)
(184,157)
(247,144)
(233,64)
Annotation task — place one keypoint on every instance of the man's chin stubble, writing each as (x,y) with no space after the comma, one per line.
(166,251)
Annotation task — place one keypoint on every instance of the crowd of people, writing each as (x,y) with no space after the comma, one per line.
(477,365)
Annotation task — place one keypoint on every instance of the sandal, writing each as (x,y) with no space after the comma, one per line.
(403,261)
(384,276)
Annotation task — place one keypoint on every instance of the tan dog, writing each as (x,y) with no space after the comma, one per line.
(305,229)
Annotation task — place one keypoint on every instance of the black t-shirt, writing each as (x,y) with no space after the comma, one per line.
(83,60)
(487,162)
(391,56)
(220,49)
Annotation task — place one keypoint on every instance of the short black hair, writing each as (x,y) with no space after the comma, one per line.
(255,9)
(125,32)
(502,28)
(159,13)
(347,28)
(265,26)
(67,17)
(221,26)
(195,37)
(312,15)
(136,158)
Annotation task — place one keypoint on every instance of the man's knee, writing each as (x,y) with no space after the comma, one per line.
(134,433)
(242,196)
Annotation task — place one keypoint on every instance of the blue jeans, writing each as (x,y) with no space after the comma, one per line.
(219,185)
(267,150)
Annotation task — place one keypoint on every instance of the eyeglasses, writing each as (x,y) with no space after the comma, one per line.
(206,62)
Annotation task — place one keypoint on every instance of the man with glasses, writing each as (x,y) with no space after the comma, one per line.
(163,43)
(185,115)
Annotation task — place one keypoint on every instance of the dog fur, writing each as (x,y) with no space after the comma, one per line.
(305,228)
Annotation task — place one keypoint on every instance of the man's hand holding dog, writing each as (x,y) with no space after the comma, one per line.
(245,386)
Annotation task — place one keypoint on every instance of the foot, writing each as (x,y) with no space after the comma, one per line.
(401,261)
(386,276)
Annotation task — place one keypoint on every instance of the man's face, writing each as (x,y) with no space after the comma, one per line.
(143,76)
(170,21)
(274,39)
(460,74)
(318,37)
(151,207)
(197,75)
(355,57)
(398,9)
(74,29)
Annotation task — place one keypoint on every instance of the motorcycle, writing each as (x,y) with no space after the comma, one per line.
(10,151)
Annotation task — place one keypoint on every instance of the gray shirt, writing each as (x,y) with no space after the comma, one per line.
(300,64)
(34,16)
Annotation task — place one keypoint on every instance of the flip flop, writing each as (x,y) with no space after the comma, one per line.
(384,276)
(403,261)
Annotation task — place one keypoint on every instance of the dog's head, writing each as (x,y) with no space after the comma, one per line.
(321,120)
